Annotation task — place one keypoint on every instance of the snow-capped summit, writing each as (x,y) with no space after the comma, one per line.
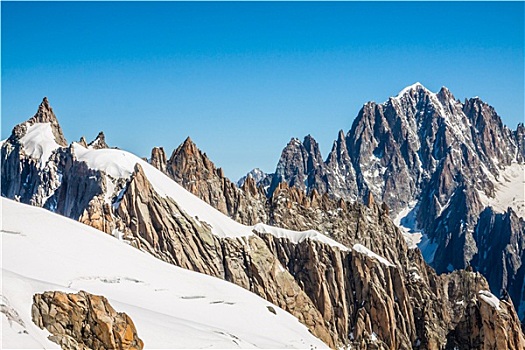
(438,160)
(416,87)
(256,174)
(44,115)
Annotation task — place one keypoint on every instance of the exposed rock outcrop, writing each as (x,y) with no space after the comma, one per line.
(84,321)
(99,142)
(45,114)
(158,159)
(193,170)
(159,226)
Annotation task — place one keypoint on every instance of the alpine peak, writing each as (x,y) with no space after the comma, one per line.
(45,114)
(414,87)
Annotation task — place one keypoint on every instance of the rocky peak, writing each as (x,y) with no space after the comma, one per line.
(188,159)
(292,166)
(444,94)
(413,92)
(45,114)
(300,165)
(314,159)
(193,170)
(340,173)
(188,147)
(83,142)
(339,150)
(99,142)
(260,178)
(158,159)
(493,141)
(249,185)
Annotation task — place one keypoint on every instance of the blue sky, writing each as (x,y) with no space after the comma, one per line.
(243,78)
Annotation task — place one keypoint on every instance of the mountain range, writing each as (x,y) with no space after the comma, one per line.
(333,242)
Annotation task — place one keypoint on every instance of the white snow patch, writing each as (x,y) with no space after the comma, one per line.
(510,190)
(364,250)
(414,86)
(171,307)
(39,142)
(406,221)
(415,276)
(296,236)
(490,299)
(110,189)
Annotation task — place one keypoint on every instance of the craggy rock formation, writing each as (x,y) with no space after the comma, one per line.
(377,294)
(486,324)
(26,176)
(99,142)
(84,321)
(430,152)
(193,170)
(158,159)
(159,226)
(392,300)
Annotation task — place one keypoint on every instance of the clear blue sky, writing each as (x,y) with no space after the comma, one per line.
(243,78)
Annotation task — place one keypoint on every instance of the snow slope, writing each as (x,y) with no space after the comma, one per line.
(39,142)
(171,307)
(120,164)
(297,237)
(364,250)
(510,190)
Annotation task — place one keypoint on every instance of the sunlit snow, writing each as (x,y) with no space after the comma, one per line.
(170,306)
(39,142)
(363,250)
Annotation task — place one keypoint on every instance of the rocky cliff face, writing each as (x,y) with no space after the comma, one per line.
(84,321)
(425,153)
(389,301)
(39,168)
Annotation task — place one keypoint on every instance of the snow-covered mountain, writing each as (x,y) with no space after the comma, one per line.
(170,306)
(260,177)
(357,283)
(436,163)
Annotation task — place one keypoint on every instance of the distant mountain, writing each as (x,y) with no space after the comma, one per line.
(429,157)
(260,177)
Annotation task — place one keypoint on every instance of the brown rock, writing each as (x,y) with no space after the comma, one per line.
(84,321)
